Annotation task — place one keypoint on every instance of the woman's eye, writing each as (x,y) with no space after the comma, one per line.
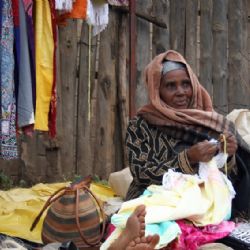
(170,86)
(186,84)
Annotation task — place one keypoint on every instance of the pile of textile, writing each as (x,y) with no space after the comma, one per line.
(186,211)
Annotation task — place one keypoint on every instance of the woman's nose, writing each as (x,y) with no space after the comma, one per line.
(180,90)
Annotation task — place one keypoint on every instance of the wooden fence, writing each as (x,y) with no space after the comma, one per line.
(92,88)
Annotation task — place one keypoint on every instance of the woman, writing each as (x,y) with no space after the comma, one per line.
(174,129)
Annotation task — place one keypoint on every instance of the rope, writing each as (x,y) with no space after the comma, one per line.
(89,72)
(225,150)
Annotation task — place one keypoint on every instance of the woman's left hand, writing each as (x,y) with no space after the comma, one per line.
(231,143)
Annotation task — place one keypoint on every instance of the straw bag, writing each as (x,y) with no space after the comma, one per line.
(73,216)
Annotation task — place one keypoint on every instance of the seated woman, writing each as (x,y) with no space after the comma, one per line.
(174,129)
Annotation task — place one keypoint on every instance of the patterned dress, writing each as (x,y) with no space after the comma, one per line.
(8,104)
(153,150)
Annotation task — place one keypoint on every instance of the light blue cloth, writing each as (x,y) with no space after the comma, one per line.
(25,99)
(167,230)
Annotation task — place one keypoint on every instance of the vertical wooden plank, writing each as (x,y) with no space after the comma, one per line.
(220,59)
(12,169)
(132,58)
(206,44)
(245,44)
(177,25)
(85,115)
(238,64)
(123,98)
(34,157)
(160,36)
(191,33)
(68,67)
(142,52)
(104,158)
(248,42)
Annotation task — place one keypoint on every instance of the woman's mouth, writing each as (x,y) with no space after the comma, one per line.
(181,103)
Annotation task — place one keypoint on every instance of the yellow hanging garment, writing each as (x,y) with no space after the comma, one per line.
(44,50)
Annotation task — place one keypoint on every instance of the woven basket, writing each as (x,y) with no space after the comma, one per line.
(73,216)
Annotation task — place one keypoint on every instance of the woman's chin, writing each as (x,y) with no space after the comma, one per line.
(180,106)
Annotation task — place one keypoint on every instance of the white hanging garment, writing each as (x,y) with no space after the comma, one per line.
(97,15)
(65,5)
(118,2)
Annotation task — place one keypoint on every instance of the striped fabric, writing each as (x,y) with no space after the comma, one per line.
(60,221)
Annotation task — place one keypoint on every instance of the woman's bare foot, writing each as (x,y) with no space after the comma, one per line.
(135,226)
(133,236)
(144,243)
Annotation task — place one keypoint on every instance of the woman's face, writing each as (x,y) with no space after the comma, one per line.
(176,89)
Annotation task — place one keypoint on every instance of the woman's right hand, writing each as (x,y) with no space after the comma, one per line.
(202,152)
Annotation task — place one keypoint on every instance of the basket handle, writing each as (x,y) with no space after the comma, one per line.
(77,216)
(51,199)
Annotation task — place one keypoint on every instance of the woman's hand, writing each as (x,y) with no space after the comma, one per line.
(202,152)
(231,144)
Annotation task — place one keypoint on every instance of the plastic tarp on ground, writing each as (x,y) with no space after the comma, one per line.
(20,206)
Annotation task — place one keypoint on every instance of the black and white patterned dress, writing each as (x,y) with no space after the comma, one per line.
(152,151)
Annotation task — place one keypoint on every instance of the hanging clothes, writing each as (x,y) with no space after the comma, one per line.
(97,15)
(44,45)
(15,11)
(52,112)
(1,8)
(28,7)
(8,105)
(78,11)
(25,109)
(118,2)
(65,5)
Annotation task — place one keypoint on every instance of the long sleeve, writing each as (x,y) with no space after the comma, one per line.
(151,153)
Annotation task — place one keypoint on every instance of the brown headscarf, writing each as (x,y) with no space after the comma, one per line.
(201,111)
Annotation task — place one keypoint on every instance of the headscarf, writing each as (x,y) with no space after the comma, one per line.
(199,114)
(168,66)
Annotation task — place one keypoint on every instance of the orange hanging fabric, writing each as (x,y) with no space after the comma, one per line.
(79,11)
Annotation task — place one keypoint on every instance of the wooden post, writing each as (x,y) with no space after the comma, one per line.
(248,42)
(68,69)
(142,53)
(85,115)
(132,57)
(191,33)
(122,83)
(220,60)
(160,37)
(177,25)
(238,63)
(105,150)
(206,45)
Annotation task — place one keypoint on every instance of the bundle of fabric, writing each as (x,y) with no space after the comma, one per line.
(203,199)
(241,119)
